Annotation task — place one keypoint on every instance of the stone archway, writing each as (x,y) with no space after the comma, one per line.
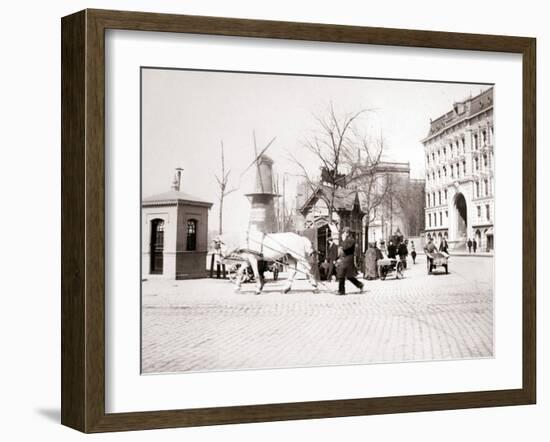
(461,216)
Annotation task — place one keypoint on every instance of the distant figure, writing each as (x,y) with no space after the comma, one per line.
(469,245)
(372,255)
(429,249)
(346,264)
(403,252)
(474,245)
(332,256)
(324,270)
(392,250)
(413,252)
(444,246)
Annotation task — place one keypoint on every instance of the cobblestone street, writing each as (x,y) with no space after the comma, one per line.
(202,325)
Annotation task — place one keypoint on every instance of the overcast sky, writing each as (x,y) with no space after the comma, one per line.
(187,114)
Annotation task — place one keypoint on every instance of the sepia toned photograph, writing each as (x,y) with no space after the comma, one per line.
(305,221)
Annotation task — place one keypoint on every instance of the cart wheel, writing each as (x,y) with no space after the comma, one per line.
(446,268)
(399,271)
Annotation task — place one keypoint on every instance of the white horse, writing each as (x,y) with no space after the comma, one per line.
(296,250)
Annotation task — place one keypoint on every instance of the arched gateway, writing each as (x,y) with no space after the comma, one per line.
(461,216)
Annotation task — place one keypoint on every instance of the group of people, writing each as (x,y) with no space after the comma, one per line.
(339,262)
(472,244)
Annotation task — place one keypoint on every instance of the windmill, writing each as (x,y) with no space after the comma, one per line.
(262,204)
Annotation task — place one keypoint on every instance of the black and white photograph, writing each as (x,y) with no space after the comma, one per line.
(307,221)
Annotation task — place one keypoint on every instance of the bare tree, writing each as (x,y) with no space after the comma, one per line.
(370,179)
(224,191)
(331,145)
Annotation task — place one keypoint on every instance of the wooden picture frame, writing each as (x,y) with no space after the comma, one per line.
(83,220)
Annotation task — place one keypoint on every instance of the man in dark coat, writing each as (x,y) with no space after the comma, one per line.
(403,252)
(392,250)
(444,246)
(474,244)
(332,256)
(346,265)
(469,245)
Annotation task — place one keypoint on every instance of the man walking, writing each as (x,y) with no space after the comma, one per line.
(444,246)
(346,265)
(469,245)
(332,256)
(429,249)
(474,244)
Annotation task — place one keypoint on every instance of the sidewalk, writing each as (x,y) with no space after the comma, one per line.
(465,253)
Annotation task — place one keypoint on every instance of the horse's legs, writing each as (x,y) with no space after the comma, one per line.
(291,277)
(239,276)
(259,280)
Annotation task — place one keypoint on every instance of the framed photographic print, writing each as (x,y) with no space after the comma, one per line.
(268,221)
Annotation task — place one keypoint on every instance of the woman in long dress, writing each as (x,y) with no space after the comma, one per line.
(372,255)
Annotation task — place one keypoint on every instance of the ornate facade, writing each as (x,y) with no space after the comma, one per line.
(459,156)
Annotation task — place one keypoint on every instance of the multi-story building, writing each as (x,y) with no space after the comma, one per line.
(459,151)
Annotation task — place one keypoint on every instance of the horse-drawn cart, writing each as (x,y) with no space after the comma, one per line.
(437,259)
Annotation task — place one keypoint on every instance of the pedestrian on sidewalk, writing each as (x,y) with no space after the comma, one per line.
(413,252)
(469,245)
(474,244)
(444,246)
(346,264)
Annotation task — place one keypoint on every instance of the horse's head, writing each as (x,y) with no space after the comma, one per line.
(220,247)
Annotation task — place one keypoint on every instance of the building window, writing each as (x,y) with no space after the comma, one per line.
(427,200)
(446,214)
(445,152)
(439,196)
(486,187)
(192,234)
(444,171)
(485,160)
(463,145)
(440,218)
(452,171)
(445,195)
(429,219)
(479,211)
(464,167)
(475,142)
(477,189)
(488,211)
(476,160)
(484,135)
